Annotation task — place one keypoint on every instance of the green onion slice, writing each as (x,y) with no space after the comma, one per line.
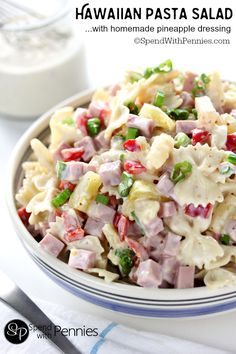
(133,108)
(93,126)
(103,199)
(132,133)
(180,171)
(125,184)
(181,139)
(178,113)
(159,99)
(232,158)
(60,167)
(225,239)
(61,198)
(126,259)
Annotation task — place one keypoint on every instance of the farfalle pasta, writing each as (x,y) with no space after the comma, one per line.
(140,186)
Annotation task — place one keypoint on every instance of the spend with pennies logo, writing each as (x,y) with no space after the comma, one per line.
(16,331)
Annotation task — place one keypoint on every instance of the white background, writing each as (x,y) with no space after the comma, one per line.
(107,56)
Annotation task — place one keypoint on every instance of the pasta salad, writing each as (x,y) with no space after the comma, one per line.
(140,187)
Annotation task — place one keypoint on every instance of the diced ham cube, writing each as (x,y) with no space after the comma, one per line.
(153,227)
(101,212)
(81,119)
(133,229)
(169,268)
(110,173)
(185,126)
(167,209)
(51,244)
(71,222)
(82,259)
(171,244)
(165,186)
(75,169)
(98,109)
(149,274)
(101,142)
(185,277)
(94,227)
(230,229)
(189,81)
(145,125)
(187,98)
(57,153)
(89,149)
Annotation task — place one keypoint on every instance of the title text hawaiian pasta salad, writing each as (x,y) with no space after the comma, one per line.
(140,187)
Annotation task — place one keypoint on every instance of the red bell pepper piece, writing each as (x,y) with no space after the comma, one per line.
(200,136)
(134,167)
(24,215)
(138,249)
(72,154)
(132,145)
(231,142)
(123,225)
(116,219)
(201,211)
(73,235)
(66,185)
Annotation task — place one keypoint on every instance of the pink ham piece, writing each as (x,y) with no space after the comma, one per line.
(114,89)
(230,229)
(81,119)
(189,81)
(101,142)
(98,108)
(185,277)
(185,126)
(133,229)
(74,170)
(82,259)
(94,227)
(188,101)
(144,125)
(171,245)
(165,186)
(51,244)
(57,153)
(101,212)
(167,209)
(89,149)
(122,227)
(153,227)
(149,274)
(110,173)
(169,268)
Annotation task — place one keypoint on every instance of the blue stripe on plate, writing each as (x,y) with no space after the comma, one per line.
(139,310)
(102,339)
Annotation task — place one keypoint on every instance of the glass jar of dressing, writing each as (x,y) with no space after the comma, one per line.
(41,57)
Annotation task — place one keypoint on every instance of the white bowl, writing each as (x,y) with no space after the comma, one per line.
(124,298)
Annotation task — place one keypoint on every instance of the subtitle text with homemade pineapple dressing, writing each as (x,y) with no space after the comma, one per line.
(166,25)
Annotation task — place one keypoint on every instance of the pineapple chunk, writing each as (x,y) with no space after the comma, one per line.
(143,190)
(85,191)
(207,115)
(161,119)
